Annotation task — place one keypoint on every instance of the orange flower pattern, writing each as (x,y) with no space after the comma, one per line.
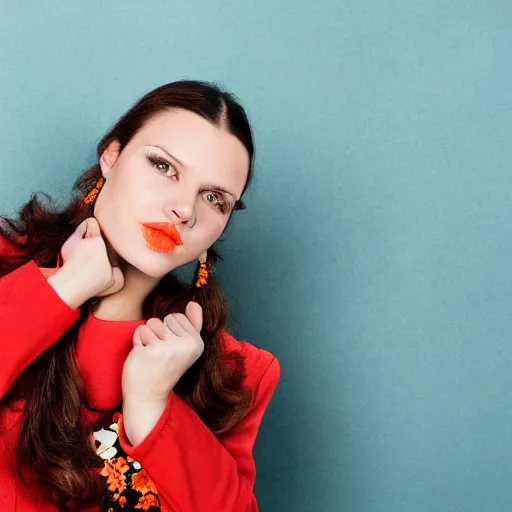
(129,486)
(116,481)
(146,502)
(142,483)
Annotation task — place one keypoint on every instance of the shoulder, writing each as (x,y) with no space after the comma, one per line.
(260,365)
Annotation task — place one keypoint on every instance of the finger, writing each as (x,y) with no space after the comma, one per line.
(136,337)
(81,228)
(174,326)
(92,228)
(186,324)
(112,255)
(118,276)
(146,335)
(118,283)
(77,235)
(158,327)
(194,313)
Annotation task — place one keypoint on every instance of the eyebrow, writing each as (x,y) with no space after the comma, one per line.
(169,154)
(215,188)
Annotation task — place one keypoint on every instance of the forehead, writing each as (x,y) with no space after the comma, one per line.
(202,147)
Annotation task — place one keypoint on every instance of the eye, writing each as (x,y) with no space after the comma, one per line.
(213,199)
(162,166)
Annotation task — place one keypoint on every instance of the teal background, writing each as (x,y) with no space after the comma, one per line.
(374,257)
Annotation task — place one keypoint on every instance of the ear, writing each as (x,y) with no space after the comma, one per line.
(109,157)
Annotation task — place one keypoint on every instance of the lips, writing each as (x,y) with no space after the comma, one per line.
(161,236)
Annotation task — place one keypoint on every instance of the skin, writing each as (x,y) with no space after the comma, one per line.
(107,256)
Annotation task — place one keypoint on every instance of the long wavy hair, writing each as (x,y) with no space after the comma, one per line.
(53,441)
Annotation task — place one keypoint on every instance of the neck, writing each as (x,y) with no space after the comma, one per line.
(127,303)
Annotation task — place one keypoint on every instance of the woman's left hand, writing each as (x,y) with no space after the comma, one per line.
(162,352)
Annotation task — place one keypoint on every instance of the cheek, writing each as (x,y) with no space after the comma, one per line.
(212,229)
(125,197)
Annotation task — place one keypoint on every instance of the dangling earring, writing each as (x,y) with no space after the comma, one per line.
(202,273)
(91,196)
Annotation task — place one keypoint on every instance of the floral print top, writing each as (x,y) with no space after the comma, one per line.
(128,485)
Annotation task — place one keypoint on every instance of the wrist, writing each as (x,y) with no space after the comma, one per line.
(69,288)
(140,417)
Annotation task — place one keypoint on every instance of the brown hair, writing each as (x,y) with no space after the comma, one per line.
(52,440)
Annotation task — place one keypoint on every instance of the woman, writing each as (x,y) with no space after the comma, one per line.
(120,388)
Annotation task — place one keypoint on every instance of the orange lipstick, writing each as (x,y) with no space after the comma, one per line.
(161,236)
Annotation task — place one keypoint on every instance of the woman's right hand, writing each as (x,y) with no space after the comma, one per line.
(87,270)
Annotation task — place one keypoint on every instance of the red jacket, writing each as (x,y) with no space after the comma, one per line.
(192,469)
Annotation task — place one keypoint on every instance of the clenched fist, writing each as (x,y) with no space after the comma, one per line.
(162,352)
(89,269)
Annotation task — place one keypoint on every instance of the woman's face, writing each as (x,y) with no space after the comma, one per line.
(178,169)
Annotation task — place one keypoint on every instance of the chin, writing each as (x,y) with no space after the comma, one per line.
(150,267)
(151,263)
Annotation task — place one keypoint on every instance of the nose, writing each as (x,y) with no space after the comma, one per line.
(181,214)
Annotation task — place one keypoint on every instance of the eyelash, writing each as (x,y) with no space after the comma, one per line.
(158,161)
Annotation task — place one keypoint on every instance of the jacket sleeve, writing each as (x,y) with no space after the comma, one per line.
(193,470)
(32,318)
